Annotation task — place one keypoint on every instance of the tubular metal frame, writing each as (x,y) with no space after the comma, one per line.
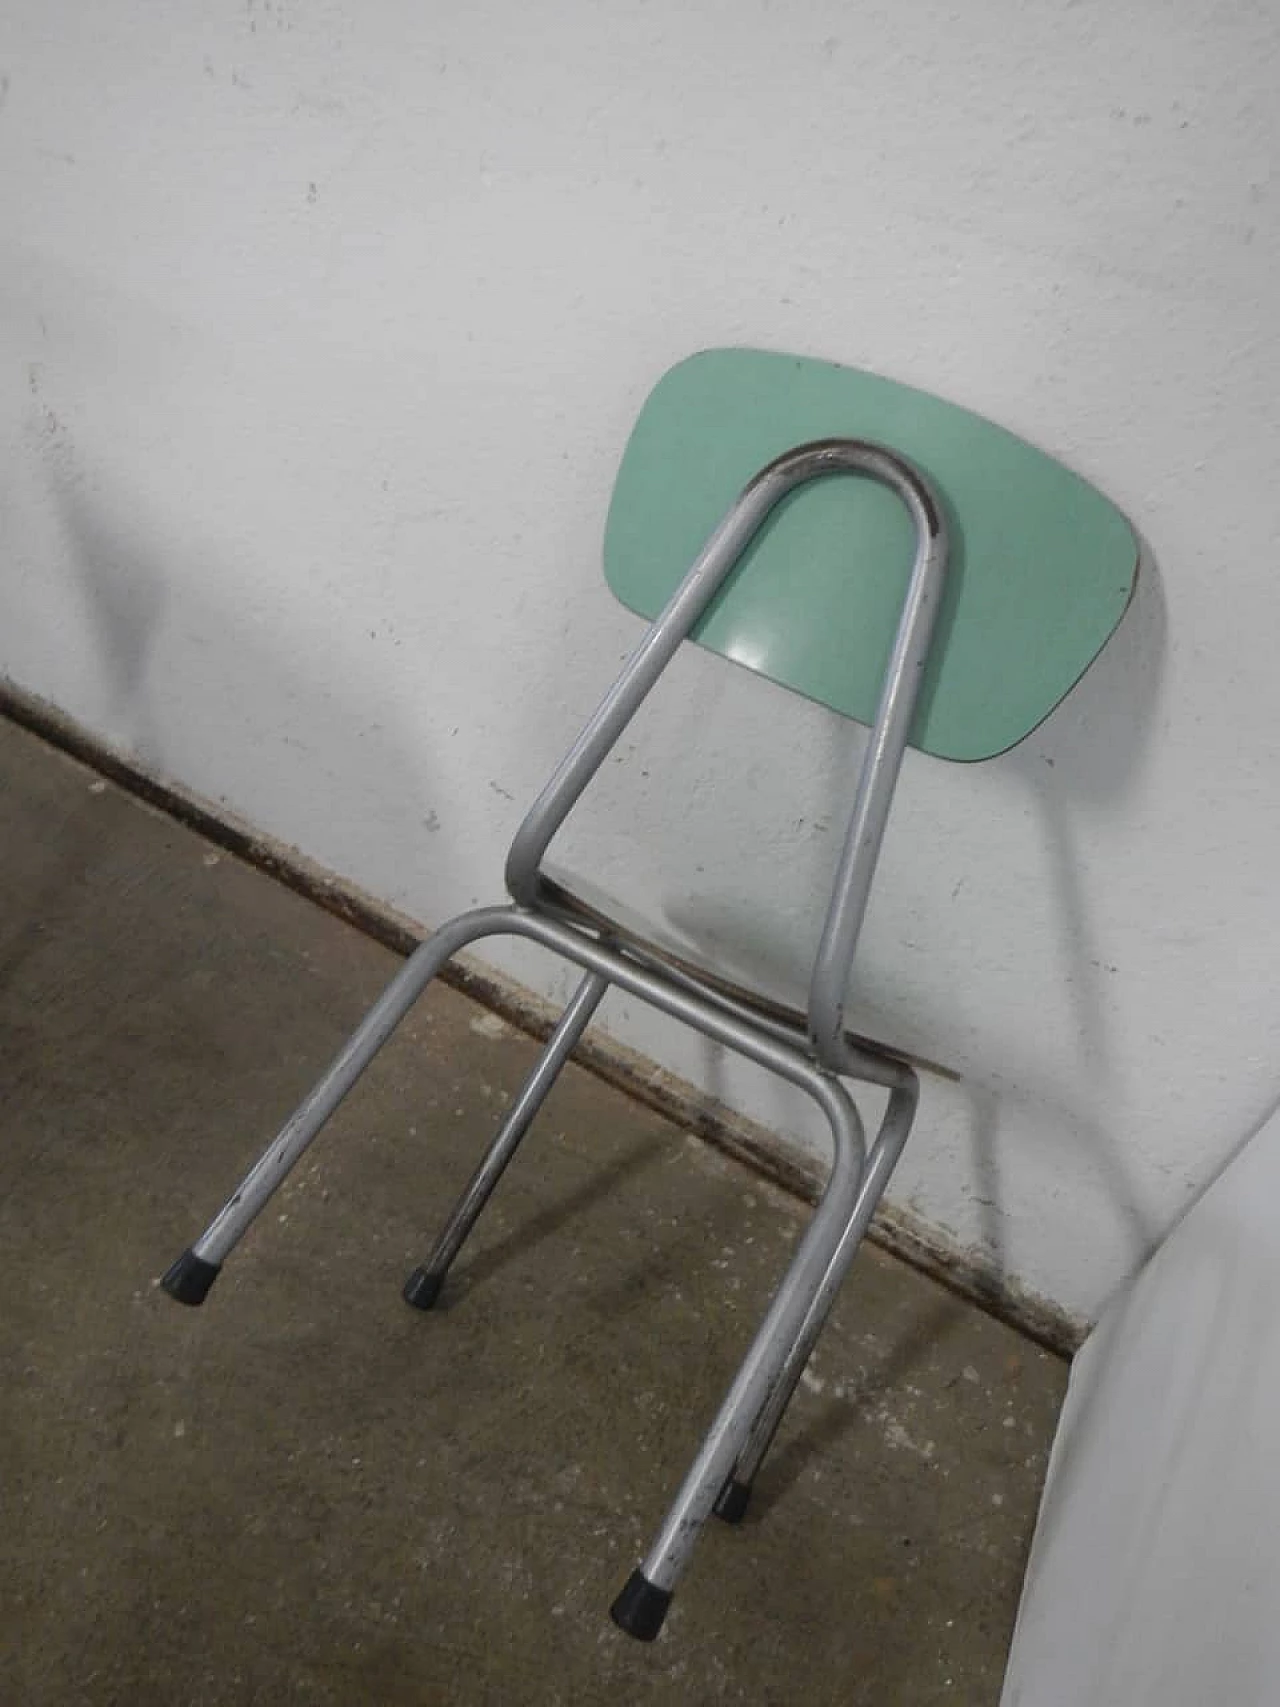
(814,1056)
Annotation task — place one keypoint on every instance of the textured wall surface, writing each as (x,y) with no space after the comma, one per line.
(323,327)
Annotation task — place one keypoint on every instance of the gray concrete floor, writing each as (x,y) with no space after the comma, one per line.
(307,1492)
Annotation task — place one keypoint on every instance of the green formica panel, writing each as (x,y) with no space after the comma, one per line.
(1041,568)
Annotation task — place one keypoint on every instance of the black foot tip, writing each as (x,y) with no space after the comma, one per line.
(422,1289)
(190,1278)
(734,1499)
(640,1608)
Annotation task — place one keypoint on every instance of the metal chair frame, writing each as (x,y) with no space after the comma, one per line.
(814,1052)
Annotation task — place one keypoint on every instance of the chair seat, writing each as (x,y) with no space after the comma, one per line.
(583,902)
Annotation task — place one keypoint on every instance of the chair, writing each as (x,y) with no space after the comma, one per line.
(984,579)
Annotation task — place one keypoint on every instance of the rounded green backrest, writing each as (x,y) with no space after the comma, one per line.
(1042,566)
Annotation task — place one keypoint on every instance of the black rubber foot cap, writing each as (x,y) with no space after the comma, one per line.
(734,1499)
(422,1289)
(190,1278)
(640,1608)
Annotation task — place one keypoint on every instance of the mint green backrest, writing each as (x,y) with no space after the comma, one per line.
(1041,567)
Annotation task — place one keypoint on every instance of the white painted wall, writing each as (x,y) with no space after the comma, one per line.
(323,327)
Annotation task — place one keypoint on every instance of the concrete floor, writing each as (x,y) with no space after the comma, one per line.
(307,1492)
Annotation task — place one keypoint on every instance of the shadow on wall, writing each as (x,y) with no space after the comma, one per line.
(1088,752)
(181,665)
(222,682)
(125,601)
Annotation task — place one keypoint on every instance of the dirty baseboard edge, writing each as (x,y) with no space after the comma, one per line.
(908,1236)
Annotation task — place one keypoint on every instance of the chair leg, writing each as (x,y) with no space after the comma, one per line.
(191,1276)
(423,1286)
(806,1287)
(642,1605)
(734,1497)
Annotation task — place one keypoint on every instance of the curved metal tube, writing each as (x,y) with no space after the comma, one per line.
(890,1141)
(228,1227)
(828,987)
(801,1297)
(682,612)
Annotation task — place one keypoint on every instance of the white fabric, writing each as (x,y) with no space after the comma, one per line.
(1155,1573)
